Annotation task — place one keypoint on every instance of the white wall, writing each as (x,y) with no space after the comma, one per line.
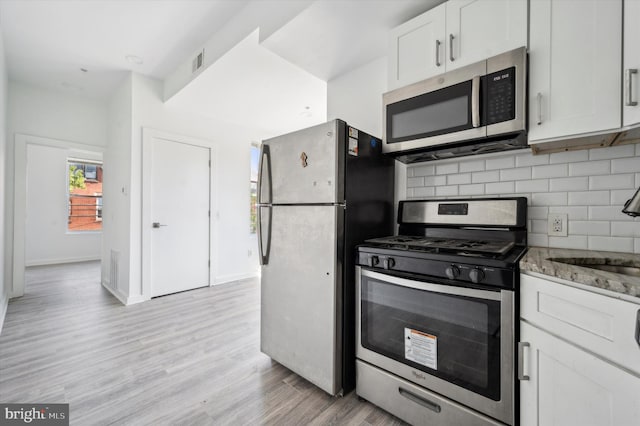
(47,239)
(4,282)
(53,115)
(231,180)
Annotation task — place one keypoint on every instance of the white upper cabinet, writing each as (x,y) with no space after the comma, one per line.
(479,29)
(574,60)
(631,61)
(452,35)
(417,48)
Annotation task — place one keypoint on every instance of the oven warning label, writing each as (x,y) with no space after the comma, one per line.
(421,348)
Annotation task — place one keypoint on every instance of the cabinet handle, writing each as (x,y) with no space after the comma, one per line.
(521,346)
(438,53)
(451,37)
(638,327)
(539,108)
(629,80)
(420,400)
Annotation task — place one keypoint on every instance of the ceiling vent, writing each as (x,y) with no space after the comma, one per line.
(198,61)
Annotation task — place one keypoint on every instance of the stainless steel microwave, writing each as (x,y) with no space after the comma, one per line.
(471,110)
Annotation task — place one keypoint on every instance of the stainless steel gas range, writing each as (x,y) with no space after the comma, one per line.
(436,312)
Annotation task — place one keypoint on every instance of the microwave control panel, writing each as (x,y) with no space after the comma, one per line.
(500,96)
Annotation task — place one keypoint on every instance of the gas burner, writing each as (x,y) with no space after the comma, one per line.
(438,245)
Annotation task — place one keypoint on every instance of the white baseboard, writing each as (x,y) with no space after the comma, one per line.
(43,262)
(123,298)
(235,277)
(4,304)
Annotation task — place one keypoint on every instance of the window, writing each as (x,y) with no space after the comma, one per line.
(84,195)
(253,212)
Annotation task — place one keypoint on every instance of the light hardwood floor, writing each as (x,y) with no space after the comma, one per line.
(191,358)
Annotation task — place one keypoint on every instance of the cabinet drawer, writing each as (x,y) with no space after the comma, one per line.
(600,324)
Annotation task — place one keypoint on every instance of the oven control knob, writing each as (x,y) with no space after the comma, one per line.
(374,261)
(388,263)
(476,275)
(452,272)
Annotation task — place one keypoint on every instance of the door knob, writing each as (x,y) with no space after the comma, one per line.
(157,225)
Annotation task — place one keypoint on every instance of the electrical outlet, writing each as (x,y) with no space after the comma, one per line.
(557,224)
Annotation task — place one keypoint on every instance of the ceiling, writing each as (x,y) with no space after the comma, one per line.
(81,47)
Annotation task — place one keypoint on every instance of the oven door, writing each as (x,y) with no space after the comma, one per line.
(456,341)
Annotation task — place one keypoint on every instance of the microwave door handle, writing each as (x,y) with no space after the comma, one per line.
(475,101)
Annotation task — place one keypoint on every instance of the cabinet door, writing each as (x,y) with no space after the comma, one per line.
(568,386)
(479,29)
(417,49)
(574,60)
(631,61)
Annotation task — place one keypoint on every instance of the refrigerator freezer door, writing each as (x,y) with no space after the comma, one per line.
(301,294)
(304,166)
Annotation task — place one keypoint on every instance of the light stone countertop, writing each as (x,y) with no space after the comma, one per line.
(537,260)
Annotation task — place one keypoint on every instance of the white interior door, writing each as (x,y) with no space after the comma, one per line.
(180,203)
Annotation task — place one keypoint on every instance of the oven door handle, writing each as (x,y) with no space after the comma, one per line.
(475,101)
(521,346)
(420,400)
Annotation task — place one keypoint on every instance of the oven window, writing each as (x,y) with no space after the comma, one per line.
(453,337)
(435,113)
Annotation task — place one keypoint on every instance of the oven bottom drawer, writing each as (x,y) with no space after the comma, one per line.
(412,403)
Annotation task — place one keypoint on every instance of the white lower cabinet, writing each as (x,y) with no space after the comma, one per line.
(570,386)
(578,358)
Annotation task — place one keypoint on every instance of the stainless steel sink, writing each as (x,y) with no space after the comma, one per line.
(633,271)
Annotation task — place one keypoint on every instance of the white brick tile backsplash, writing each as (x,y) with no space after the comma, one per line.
(523,160)
(620,151)
(444,191)
(459,179)
(587,227)
(549,199)
(435,180)
(537,212)
(474,189)
(612,182)
(537,185)
(471,166)
(540,240)
(572,212)
(620,196)
(550,171)
(482,177)
(427,191)
(415,182)
(569,157)
(589,186)
(589,198)
(499,188)
(572,241)
(500,163)
(538,226)
(625,165)
(448,168)
(523,173)
(608,213)
(590,168)
(611,244)
(569,184)
(625,229)
(423,170)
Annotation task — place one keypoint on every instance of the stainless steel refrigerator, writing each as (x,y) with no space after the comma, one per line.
(321,191)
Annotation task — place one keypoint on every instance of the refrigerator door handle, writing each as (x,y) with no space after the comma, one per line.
(265,161)
(264,249)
